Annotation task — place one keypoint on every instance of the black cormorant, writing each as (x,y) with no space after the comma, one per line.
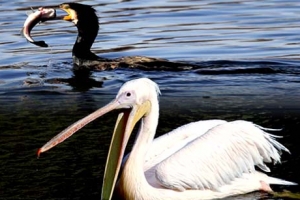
(85,19)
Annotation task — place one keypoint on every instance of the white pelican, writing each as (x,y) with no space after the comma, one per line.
(201,160)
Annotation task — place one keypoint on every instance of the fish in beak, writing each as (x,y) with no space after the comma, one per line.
(131,113)
(46,14)
(42,14)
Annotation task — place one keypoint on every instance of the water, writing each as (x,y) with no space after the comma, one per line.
(249,57)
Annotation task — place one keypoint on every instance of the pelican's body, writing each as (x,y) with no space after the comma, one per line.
(189,163)
(201,160)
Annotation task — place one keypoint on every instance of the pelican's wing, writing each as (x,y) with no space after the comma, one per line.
(219,156)
(169,143)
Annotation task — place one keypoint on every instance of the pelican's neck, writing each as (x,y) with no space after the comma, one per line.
(133,177)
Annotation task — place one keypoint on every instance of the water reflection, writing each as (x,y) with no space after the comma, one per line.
(81,80)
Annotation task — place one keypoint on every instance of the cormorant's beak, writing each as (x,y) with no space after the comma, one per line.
(72,15)
(122,131)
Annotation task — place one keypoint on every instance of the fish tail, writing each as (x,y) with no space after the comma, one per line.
(40,43)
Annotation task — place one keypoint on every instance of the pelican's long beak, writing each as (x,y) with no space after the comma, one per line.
(69,131)
(123,129)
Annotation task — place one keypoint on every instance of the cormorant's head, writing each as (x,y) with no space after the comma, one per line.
(79,13)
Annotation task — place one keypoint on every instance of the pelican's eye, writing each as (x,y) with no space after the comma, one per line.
(128,94)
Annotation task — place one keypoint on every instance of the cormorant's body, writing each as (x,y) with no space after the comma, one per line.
(85,19)
(88,27)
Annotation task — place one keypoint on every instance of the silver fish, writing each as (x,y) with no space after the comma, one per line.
(42,14)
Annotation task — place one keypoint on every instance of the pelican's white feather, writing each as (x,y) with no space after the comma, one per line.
(224,153)
(169,143)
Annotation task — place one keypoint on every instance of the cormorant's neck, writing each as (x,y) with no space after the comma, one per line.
(87,32)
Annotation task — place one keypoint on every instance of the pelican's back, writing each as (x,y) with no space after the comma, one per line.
(225,153)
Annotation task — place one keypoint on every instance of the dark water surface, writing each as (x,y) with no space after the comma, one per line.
(249,57)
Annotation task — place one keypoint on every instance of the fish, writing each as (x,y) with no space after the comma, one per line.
(41,15)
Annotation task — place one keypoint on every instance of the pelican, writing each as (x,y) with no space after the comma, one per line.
(201,160)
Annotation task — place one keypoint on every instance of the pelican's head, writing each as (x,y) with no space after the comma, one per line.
(135,100)
(138,91)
